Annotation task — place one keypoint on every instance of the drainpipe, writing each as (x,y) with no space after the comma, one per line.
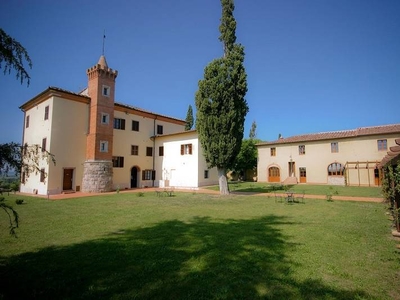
(22,148)
(154,148)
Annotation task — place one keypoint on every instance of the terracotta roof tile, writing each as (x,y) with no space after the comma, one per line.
(362,131)
(146,111)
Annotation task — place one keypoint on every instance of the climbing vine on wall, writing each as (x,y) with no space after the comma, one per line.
(391,190)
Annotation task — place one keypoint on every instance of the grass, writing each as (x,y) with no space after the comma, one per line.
(262,187)
(196,246)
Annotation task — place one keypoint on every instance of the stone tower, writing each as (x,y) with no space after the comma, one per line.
(98,169)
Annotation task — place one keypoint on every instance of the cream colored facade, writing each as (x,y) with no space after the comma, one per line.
(65,131)
(137,162)
(102,145)
(183,164)
(314,158)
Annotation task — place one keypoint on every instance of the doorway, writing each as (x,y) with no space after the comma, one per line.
(292,169)
(67,179)
(274,174)
(303,175)
(134,177)
(378,176)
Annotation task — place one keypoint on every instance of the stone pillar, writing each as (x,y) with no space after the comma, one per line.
(97,176)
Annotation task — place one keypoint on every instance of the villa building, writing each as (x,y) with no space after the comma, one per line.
(101,145)
(349,157)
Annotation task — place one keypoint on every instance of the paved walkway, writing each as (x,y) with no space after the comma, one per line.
(211,192)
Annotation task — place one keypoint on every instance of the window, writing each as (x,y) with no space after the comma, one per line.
(206,174)
(44,142)
(46,112)
(103,146)
(119,124)
(382,145)
(135,125)
(149,151)
(273,151)
(118,161)
(186,149)
(335,147)
(161,151)
(23,177)
(335,169)
(302,149)
(160,129)
(134,150)
(27,122)
(42,175)
(273,171)
(106,91)
(105,118)
(148,175)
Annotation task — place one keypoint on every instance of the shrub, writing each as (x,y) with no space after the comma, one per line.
(14,186)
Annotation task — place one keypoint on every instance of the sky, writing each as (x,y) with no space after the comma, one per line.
(312,65)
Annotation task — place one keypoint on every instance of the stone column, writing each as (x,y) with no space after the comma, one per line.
(97,176)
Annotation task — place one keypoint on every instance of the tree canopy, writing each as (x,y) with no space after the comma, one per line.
(220,103)
(26,158)
(247,157)
(13,55)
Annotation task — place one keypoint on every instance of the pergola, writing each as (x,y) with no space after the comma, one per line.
(393,156)
(360,166)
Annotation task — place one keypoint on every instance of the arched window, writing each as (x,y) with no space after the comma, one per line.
(274,174)
(273,171)
(335,169)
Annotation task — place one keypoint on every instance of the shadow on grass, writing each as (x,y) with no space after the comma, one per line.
(201,259)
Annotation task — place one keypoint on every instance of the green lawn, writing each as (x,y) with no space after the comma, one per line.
(196,246)
(262,187)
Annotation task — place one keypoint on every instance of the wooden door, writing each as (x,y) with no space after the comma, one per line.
(274,175)
(67,179)
(292,169)
(303,175)
(134,177)
(377,175)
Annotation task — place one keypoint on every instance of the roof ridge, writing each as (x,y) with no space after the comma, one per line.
(147,111)
(338,134)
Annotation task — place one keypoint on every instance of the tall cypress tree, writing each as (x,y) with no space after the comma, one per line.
(189,118)
(220,103)
(253,134)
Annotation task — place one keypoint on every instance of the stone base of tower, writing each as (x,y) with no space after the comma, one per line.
(97,176)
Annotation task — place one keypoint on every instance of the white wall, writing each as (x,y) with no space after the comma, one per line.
(183,171)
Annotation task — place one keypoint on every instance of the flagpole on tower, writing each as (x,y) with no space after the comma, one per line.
(104,39)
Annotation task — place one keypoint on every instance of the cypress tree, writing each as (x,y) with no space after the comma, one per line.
(189,118)
(220,103)
(253,134)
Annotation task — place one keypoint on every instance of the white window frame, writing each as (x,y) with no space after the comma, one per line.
(105,118)
(104,146)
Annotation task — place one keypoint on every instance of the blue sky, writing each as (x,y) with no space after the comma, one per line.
(312,65)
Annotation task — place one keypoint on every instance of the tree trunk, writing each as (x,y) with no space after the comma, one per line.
(223,181)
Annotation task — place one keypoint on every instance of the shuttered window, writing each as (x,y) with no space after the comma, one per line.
(149,175)
(186,149)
